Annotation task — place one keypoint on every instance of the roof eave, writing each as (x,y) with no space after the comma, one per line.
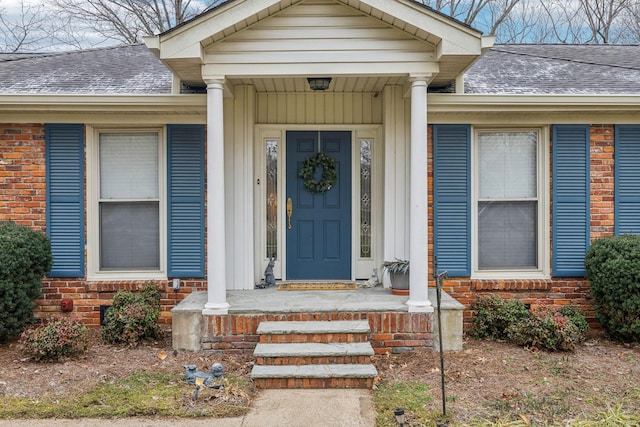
(440,102)
(497,103)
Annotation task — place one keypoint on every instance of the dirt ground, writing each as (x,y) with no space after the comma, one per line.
(496,381)
(103,363)
(487,380)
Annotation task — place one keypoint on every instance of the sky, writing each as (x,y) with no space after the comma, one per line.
(10,10)
(12,7)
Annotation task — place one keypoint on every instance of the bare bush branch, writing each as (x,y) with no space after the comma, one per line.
(129,20)
(29,30)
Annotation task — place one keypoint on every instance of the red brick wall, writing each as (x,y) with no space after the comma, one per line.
(22,174)
(391,332)
(89,296)
(602,181)
(555,291)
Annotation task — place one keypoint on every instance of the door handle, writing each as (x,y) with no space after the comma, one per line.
(289,211)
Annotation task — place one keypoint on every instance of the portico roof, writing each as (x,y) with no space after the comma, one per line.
(377,39)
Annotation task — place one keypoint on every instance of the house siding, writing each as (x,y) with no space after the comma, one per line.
(22,199)
(319,108)
(317,34)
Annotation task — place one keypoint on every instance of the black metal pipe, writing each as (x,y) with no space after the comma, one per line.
(439,279)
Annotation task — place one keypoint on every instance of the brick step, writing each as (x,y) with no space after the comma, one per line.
(312,360)
(314,376)
(312,338)
(313,353)
(314,327)
(343,331)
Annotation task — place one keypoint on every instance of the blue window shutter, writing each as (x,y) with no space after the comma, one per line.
(452,198)
(65,198)
(627,179)
(571,230)
(186,200)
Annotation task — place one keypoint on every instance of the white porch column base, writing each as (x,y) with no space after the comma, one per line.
(216,251)
(212,309)
(418,235)
(420,306)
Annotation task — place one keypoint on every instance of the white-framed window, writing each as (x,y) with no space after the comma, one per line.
(366,197)
(126,212)
(268,200)
(271,197)
(510,209)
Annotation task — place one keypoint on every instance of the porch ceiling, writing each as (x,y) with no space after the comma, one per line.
(347,84)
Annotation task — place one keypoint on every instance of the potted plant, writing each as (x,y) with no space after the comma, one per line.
(398,276)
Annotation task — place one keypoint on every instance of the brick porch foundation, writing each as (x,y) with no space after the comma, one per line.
(391,332)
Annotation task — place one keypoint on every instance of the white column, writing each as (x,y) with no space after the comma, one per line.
(216,262)
(418,234)
(396,177)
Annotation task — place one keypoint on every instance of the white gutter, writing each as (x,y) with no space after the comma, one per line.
(117,103)
(197,104)
(530,103)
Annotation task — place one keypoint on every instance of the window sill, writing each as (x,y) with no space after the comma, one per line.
(509,275)
(126,275)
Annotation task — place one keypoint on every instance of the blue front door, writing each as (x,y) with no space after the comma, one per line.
(319,226)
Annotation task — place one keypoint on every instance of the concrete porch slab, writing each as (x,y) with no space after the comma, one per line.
(271,300)
(187,315)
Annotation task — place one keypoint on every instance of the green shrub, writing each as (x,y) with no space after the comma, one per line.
(542,328)
(550,330)
(25,257)
(577,317)
(56,340)
(493,315)
(613,268)
(133,317)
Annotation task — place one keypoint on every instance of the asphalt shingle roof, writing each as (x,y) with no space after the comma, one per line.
(556,69)
(505,69)
(113,70)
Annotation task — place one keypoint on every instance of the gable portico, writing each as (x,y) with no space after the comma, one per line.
(254,57)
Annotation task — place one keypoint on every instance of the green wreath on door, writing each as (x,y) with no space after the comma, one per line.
(329,172)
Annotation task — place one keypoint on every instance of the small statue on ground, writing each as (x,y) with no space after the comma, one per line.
(212,380)
(269,279)
(190,373)
(372,282)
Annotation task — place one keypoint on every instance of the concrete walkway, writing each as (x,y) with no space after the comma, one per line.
(272,408)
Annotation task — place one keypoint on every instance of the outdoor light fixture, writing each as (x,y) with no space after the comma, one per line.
(199,383)
(319,83)
(200,379)
(399,414)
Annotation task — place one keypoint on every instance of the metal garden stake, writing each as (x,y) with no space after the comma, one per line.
(439,279)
